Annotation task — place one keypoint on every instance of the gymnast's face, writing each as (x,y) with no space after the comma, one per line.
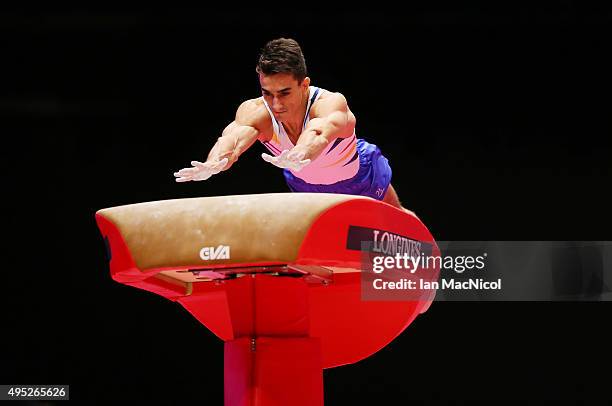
(284,94)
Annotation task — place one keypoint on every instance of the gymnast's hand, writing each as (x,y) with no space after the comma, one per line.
(200,171)
(293,160)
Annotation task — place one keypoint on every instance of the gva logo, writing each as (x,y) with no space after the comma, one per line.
(210,253)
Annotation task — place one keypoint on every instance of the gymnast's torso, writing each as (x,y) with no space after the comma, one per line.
(339,161)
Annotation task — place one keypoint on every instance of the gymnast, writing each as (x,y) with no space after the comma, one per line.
(309,131)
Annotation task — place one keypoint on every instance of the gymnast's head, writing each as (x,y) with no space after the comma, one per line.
(283,77)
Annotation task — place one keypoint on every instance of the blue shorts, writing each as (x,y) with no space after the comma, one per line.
(372,178)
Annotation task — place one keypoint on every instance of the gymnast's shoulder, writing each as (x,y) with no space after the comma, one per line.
(253,113)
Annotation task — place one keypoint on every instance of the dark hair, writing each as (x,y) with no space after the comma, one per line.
(282,55)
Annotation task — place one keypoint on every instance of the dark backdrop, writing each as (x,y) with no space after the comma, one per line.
(496,122)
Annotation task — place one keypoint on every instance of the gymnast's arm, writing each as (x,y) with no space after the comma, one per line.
(240,134)
(237,137)
(332,119)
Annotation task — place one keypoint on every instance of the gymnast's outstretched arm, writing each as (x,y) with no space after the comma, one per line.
(331,119)
(236,138)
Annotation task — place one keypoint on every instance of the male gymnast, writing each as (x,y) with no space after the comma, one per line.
(309,131)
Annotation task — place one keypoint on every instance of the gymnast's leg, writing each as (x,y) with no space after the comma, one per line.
(392,199)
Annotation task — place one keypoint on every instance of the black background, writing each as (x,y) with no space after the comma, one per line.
(495,120)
